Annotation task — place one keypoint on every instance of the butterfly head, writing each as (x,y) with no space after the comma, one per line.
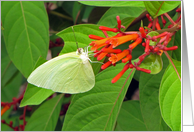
(80,51)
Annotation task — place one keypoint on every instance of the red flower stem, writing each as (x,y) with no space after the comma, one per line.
(24,114)
(131,32)
(154,24)
(105,33)
(178,19)
(9,125)
(162,39)
(167,55)
(169,18)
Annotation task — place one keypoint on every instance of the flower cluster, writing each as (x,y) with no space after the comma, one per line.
(106,47)
(6,106)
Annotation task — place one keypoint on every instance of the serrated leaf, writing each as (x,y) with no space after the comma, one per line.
(156,8)
(153,62)
(35,95)
(46,116)
(170,96)
(149,92)
(97,109)
(109,18)
(26,32)
(130,117)
(81,33)
(114,3)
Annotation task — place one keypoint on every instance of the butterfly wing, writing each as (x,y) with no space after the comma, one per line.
(66,73)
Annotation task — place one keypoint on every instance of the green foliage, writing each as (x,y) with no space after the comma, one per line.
(156,8)
(149,102)
(114,3)
(170,95)
(47,114)
(130,117)
(105,98)
(153,33)
(108,19)
(176,54)
(26,32)
(153,62)
(27,27)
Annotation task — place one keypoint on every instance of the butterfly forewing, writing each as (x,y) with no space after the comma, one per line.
(66,73)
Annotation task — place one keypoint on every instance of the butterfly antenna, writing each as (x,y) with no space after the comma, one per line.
(75,37)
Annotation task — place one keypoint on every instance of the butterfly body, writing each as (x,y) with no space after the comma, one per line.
(67,73)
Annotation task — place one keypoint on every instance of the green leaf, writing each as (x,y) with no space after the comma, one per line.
(96,14)
(35,95)
(153,33)
(153,62)
(26,32)
(97,109)
(46,116)
(149,93)
(78,11)
(170,96)
(54,2)
(176,54)
(130,117)
(8,70)
(109,18)
(68,6)
(59,19)
(11,90)
(156,8)
(81,33)
(114,3)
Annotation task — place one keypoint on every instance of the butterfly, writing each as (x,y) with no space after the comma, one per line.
(68,73)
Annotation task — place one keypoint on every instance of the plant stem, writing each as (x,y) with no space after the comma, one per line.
(61,15)
(169,18)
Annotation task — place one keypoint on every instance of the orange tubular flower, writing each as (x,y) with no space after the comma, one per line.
(107,50)
(118,76)
(101,56)
(99,43)
(91,36)
(120,40)
(104,66)
(128,57)
(143,34)
(158,26)
(108,29)
(134,44)
(5,109)
(115,58)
